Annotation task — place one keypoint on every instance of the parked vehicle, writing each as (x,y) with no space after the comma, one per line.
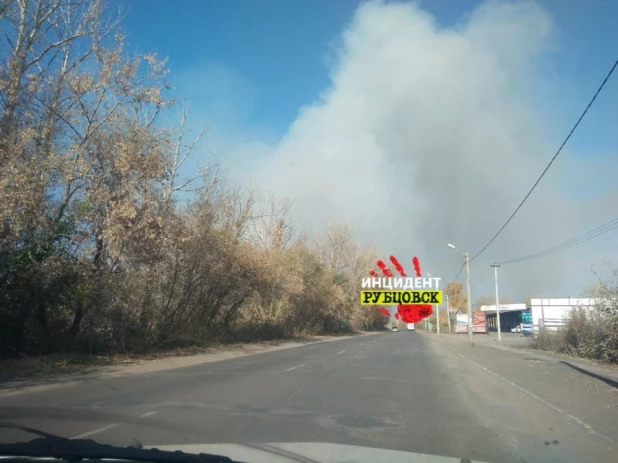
(526,325)
(411,327)
(395,328)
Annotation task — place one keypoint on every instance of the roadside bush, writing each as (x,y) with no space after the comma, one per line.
(546,340)
(98,254)
(589,333)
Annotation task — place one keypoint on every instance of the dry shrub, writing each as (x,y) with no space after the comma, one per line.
(97,253)
(591,333)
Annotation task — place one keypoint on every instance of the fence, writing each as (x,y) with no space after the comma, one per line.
(550,324)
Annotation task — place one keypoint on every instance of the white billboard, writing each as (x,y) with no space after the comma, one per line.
(503,307)
(556,310)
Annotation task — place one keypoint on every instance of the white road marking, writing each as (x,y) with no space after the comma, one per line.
(105,428)
(95,431)
(294,368)
(340,352)
(544,402)
(393,380)
(295,392)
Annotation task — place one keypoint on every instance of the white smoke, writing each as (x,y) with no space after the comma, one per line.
(430,135)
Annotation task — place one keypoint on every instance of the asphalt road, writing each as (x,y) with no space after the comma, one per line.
(399,391)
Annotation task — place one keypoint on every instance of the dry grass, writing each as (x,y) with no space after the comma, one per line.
(66,364)
(586,335)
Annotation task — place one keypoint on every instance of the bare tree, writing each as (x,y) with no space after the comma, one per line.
(109,236)
(239,210)
(179,154)
(274,227)
(457,299)
(320,246)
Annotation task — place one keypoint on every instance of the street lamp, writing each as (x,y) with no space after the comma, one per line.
(495,266)
(437,314)
(465,254)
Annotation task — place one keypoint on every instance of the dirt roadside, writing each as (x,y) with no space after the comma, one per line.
(13,384)
(520,345)
(545,410)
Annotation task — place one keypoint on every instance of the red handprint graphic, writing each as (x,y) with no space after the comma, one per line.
(408,313)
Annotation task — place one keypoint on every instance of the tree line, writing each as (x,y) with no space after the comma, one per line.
(104,245)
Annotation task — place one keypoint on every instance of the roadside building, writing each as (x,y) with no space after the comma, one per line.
(551,313)
(510,316)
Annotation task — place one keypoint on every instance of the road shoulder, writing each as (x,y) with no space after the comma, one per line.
(520,346)
(17,385)
(546,408)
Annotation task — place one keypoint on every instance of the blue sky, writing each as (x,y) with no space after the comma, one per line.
(280,49)
(276,47)
(255,70)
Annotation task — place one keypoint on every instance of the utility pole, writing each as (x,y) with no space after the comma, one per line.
(437,313)
(448,316)
(468,290)
(495,266)
(469,300)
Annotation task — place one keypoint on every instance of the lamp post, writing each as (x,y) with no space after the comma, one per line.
(465,254)
(495,266)
(448,315)
(437,314)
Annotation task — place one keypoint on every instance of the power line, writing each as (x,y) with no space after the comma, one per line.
(552,160)
(482,277)
(459,273)
(598,231)
(568,244)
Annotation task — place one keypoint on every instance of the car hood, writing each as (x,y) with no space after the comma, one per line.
(314,452)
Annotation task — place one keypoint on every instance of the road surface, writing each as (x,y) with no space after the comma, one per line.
(402,391)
